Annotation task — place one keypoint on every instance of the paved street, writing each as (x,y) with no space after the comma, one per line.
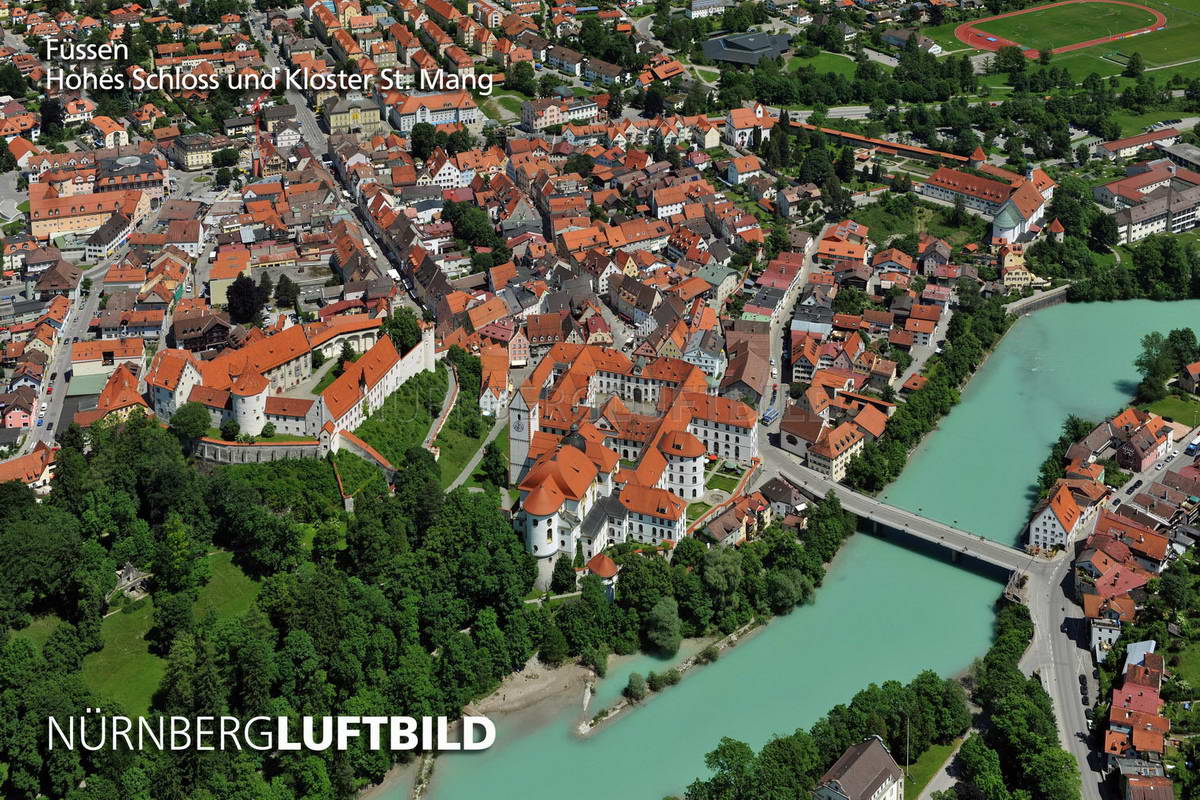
(76,325)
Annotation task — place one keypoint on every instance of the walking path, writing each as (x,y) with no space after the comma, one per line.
(447,407)
(469,469)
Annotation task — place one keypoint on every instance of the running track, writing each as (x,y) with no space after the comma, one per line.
(969,35)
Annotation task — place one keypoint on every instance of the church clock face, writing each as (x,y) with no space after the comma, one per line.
(518,425)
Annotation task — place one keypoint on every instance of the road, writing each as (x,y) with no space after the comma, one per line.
(76,325)
(309,127)
(1059,660)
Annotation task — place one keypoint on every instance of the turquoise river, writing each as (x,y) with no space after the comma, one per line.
(885,612)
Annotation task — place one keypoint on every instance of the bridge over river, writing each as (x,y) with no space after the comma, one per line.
(958,543)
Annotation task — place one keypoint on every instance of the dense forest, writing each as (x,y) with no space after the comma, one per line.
(698,591)
(413,605)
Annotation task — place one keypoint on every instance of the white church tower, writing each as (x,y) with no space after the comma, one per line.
(522,424)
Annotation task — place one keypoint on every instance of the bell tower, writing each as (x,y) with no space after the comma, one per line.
(522,425)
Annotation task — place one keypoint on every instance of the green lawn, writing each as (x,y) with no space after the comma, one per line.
(697,510)
(329,377)
(501,442)
(944,35)
(1188,668)
(1082,63)
(921,771)
(503,106)
(215,433)
(923,219)
(1132,124)
(38,631)
(404,418)
(641,11)
(825,62)
(358,475)
(1062,25)
(23,207)
(124,670)
(1185,411)
(1176,43)
(229,591)
(722,482)
(456,449)
(510,102)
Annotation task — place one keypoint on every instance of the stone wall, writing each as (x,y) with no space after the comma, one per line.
(219,452)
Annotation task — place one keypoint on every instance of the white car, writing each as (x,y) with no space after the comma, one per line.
(1158,465)
(1174,454)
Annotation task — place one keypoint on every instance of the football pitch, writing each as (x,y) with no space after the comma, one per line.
(1060,26)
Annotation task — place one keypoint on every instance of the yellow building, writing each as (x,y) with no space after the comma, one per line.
(51,215)
(354,116)
(193,151)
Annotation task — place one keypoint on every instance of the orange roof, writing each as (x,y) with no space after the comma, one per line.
(652,502)
(1063,504)
(544,500)
(341,395)
(602,566)
(121,391)
(288,406)
(837,441)
(28,468)
(681,444)
(131,348)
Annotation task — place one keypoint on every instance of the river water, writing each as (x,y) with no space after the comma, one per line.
(885,612)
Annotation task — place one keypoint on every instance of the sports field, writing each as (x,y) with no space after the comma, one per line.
(1165,33)
(1058,26)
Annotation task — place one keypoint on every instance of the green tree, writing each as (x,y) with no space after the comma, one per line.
(663,626)
(636,689)
(421,140)
(230,430)
(520,78)
(1135,66)
(1103,233)
(227,157)
(493,466)
(554,646)
(1155,364)
(403,329)
(243,300)
(190,422)
(563,578)
(174,568)
(287,292)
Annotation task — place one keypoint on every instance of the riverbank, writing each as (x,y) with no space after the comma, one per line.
(533,684)
(608,715)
